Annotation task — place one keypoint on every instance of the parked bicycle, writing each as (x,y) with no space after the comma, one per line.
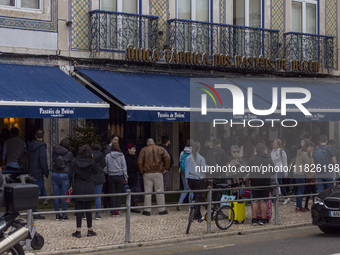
(223,216)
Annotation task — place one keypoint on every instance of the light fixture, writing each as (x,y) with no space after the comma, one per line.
(11,120)
(6,121)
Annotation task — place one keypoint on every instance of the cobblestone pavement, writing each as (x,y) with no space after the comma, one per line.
(111,230)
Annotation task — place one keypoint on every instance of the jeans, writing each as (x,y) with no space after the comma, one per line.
(279,179)
(299,179)
(185,187)
(166,176)
(98,201)
(322,187)
(60,184)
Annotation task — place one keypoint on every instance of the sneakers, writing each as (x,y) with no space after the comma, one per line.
(262,222)
(98,217)
(287,200)
(297,209)
(77,234)
(135,210)
(115,214)
(91,233)
(254,221)
(64,218)
(38,217)
(84,217)
(58,217)
(163,212)
(45,202)
(146,213)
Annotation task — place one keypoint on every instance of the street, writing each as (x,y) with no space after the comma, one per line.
(302,240)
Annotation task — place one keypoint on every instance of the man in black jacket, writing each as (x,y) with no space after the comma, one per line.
(260,162)
(166,175)
(38,163)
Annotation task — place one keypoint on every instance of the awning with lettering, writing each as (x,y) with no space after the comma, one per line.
(46,92)
(161,97)
(145,97)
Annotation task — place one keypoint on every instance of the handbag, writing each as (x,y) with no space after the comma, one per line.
(68,193)
(227,197)
(244,193)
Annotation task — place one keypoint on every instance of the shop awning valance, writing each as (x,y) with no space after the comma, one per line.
(160,97)
(46,92)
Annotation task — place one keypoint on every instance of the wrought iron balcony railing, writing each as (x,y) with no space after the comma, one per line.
(116,30)
(305,47)
(215,38)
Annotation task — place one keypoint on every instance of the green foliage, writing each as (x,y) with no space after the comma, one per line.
(86,133)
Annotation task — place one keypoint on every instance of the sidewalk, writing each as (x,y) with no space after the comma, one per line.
(111,230)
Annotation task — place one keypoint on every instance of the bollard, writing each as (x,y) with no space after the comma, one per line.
(29,226)
(209,209)
(277,204)
(128,214)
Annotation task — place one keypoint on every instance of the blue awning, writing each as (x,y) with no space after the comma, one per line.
(46,92)
(145,97)
(160,97)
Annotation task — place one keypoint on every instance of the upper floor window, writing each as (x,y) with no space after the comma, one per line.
(197,10)
(247,13)
(22,4)
(127,6)
(304,16)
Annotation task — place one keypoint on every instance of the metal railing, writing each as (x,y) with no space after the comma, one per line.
(110,31)
(217,38)
(209,202)
(305,47)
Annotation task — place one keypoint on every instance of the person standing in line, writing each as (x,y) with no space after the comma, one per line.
(62,158)
(182,159)
(195,179)
(324,156)
(303,159)
(107,149)
(38,168)
(150,164)
(261,158)
(279,158)
(99,177)
(133,173)
(12,150)
(117,175)
(82,170)
(310,177)
(166,175)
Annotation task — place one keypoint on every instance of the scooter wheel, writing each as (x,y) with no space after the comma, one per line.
(37,242)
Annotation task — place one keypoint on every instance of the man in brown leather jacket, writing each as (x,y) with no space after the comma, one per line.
(150,164)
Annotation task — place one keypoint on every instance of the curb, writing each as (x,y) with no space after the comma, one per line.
(173,240)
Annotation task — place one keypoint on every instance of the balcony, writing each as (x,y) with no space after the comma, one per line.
(114,31)
(305,47)
(215,38)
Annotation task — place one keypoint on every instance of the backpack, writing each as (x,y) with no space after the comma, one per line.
(320,155)
(59,163)
(183,160)
(23,161)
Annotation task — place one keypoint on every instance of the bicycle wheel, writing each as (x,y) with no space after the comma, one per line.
(191,218)
(15,250)
(225,217)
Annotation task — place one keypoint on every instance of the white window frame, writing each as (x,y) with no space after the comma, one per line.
(194,18)
(304,14)
(193,10)
(120,21)
(246,13)
(17,6)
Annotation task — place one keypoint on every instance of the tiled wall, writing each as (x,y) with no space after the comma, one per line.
(277,20)
(80,22)
(331,21)
(159,8)
(34,61)
(33,24)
